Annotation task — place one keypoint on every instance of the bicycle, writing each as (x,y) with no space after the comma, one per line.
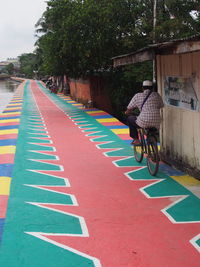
(148,146)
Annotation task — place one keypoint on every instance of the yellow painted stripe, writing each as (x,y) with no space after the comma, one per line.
(11,131)
(96,111)
(9,120)
(12,108)
(5,185)
(186,180)
(120,131)
(107,120)
(7,149)
(10,113)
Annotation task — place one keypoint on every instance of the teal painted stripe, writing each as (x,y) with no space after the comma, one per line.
(198,242)
(18,248)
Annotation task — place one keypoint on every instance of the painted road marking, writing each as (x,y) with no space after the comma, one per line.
(7,149)
(107,120)
(182,199)
(47,198)
(5,185)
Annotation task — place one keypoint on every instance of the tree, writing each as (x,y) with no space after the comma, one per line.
(79,37)
(28,64)
(9,68)
(84,35)
(177,19)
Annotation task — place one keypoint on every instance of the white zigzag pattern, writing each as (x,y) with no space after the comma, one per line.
(43,236)
(164,211)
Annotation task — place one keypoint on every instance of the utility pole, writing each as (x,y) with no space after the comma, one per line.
(154,20)
(154,37)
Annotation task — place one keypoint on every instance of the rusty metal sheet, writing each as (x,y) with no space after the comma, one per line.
(133,58)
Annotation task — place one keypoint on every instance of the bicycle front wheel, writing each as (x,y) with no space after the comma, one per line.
(153,155)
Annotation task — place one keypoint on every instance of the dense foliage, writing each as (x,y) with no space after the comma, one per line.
(79,37)
(28,63)
(9,69)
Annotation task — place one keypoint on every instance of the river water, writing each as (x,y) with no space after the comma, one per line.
(7,89)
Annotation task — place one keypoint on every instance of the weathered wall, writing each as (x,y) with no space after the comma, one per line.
(180,131)
(99,94)
(91,90)
(80,90)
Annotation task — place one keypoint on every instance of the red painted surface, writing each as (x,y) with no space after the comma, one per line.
(3,205)
(7,158)
(9,123)
(59,189)
(112,123)
(9,115)
(8,136)
(98,113)
(126,229)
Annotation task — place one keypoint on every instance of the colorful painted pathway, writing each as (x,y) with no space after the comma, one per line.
(78,197)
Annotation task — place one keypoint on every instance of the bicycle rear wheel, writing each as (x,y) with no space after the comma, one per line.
(138,149)
(153,155)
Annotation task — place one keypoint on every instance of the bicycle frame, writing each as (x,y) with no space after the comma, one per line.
(143,139)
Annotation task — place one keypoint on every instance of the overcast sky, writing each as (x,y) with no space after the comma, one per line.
(17,20)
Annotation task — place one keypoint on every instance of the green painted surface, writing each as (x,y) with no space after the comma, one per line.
(129,162)
(19,249)
(143,174)
(37,140)
(124,152)
(32,154)
(187,210)
(38,147)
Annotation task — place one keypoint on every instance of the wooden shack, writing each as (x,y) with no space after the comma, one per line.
(178,81)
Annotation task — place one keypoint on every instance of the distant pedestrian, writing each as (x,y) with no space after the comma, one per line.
(54,88)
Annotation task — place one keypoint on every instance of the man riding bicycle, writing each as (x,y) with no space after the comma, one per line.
(149,104)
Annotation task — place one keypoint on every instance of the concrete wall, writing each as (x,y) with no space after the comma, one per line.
(180,131)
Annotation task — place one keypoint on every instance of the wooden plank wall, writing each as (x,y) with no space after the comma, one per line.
(180,130)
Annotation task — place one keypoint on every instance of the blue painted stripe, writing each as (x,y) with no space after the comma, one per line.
(117,126)
(8,118)
(169,170)
(91,109)
(2,222)
(9,111)
(6,169)
(128,141)
(102,116)
(9,127)
(14,106)
(8,142)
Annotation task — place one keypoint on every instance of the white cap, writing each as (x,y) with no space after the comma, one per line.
(147,83)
